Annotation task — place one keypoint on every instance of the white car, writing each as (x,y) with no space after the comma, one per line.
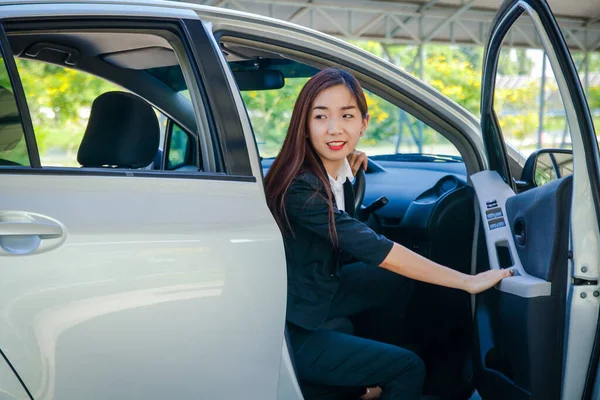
(148,265)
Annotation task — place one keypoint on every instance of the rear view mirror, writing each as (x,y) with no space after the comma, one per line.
(544,166)
(260,79)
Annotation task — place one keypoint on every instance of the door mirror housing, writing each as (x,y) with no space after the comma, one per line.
(544,166)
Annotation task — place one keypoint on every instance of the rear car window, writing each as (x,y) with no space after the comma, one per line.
(13,149)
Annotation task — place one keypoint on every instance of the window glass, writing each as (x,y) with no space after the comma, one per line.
(392,133)
(591,83)
(13,149)
(527,102)
(178,148)
(59,101)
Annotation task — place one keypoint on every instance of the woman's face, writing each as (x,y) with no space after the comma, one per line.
(335,125)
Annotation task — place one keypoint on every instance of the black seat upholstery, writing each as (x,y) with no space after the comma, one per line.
(122,132)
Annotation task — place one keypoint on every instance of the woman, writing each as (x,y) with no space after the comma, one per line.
(305,194)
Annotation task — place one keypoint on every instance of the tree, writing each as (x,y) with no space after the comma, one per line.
(522,64)
(59,100)
(270,112)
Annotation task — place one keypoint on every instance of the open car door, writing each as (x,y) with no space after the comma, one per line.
(536,332)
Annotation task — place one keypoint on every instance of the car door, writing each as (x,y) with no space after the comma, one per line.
(138,283)
(536,332)
(10,386)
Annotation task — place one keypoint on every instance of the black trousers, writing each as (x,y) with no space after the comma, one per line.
(333,358)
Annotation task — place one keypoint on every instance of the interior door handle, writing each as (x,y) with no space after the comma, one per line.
(44,231)
(519,229)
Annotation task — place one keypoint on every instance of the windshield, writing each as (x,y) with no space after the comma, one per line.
(391,131)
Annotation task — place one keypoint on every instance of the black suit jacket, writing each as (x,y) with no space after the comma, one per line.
(313,263)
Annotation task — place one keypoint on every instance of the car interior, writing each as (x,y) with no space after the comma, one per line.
(430,208)
(136,63)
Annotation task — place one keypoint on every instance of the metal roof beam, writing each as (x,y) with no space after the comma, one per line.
(298,14)
(591,22)
(524,36)
(401,9)
(238,5)
(420,10)
(473,37)
(355,5)
(363,19)
(374,21)
(453,17)
(402,25)
(568,33)
(333,22)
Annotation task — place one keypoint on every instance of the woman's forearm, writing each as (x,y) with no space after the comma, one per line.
(412,265)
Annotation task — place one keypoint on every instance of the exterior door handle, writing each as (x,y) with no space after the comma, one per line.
(43,230)
(24,233)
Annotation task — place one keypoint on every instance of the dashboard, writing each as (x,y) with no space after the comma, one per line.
(405,182)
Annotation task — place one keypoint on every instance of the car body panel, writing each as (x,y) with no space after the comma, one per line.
(155,279)
(171,287)
(11,388)
(159,295)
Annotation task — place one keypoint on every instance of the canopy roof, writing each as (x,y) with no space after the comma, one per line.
(424,21)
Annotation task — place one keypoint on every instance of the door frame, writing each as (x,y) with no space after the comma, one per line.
(582,334)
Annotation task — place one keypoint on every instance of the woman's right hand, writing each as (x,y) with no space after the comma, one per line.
(485,280)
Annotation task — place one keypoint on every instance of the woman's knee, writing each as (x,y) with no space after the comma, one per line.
(418,368)
(408,373)
(408,379)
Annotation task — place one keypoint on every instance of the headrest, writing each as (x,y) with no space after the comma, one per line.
(11,130)
(122,131)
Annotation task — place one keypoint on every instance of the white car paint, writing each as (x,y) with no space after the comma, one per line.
(162,289)
(208,272)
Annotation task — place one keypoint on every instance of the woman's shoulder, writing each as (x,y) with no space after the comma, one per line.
(307,179)
(306,190)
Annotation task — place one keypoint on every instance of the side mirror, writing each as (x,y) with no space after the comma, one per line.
(544,166)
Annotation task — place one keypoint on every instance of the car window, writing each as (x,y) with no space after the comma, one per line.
(527,101)
(392,134)
(60,101)
(179,148)
(13,149)
(108,118)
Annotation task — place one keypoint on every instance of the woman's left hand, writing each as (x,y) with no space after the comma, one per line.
(358,159)
(485,280)
(373,393)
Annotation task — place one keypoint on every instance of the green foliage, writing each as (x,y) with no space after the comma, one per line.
(59,100)
(178,147)
(517,111)
(521,65)
(453,73)
(270,112)
(593,61)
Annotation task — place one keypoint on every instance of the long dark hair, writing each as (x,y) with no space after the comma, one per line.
(298,155)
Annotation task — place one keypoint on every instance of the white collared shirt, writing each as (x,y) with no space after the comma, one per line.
(337,185)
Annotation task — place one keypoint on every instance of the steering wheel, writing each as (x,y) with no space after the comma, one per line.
(359,186)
